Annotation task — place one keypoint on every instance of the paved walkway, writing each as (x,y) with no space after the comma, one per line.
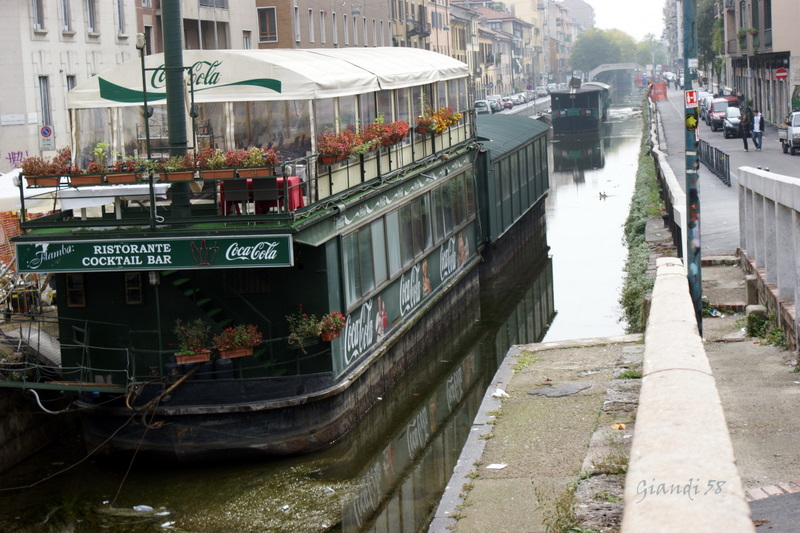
(511,469)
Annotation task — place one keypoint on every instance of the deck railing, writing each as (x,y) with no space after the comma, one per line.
(305,185)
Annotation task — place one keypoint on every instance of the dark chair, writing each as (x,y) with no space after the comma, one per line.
(236,190)
(266,193)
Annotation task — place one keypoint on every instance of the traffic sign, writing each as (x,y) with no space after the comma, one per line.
(781,73)
(691,98)
(47,139)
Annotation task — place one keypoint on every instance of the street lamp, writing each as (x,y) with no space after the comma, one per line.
(141,44)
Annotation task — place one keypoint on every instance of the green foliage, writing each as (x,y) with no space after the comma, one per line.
(559,511)
(765,327)
(596,47)
(630,374)
(645,203)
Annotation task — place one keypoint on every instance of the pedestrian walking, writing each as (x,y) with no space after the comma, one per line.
(758,129)
(746,125)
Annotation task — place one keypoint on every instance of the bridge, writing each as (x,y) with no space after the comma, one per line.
(614,66)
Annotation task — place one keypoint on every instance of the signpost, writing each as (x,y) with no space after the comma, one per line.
(693,259)
(47,139)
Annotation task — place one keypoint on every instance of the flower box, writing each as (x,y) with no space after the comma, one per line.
(328,336)
(123,177)
(197,357)
(326,159)
(43,181)
(254,172)
(86,179)
(235,352)
(178,175)
(218,173)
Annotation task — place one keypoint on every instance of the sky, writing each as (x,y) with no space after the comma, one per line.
(635,17)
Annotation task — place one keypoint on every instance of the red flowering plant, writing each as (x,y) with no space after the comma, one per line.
(333,322)
(240,336)
(211,159)
(235,158)
(395,132)
(338,144)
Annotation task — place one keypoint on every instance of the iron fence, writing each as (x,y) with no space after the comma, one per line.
(717,161)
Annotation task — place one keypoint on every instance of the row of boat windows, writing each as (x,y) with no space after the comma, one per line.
(384,248)
(281,125)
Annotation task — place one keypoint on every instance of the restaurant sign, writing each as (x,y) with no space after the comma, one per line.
(155,254)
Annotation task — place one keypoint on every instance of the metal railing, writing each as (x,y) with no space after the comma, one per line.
(717,161)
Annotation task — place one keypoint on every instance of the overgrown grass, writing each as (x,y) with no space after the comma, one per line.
(765,328)
(644,204)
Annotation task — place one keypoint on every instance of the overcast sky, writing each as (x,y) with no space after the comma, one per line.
(635,17)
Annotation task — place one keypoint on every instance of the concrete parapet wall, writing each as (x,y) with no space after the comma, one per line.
(769,241)
(682,474)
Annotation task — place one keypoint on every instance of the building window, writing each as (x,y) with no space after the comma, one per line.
(334,29)
(91,17)
(71,82)
(38,14)
(311,25)
(322,27)
(247,40)
(121,17)
(267,25)
(66,16)
(346,30)
(374,33)
(296,24)
(134,295)
(355,31)
(44,98)
(147,3)
(364,32)
(76,291)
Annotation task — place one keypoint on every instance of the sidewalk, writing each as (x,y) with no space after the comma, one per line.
(526,448)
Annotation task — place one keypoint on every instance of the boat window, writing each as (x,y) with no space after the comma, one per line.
(418,101)
(441,94)
(76,290)
(350,258)
(133,288)
(379,251)
(385,105)
(392,228)
(366,104)
(347,111)
(407,234)
(325,115)
(403,105)
(438,213)
(365,260)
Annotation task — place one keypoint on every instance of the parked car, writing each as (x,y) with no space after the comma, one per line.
(496,104)
(508,103)
(516,99)
(730,125)
(718,109)
(541,91)
(704,102)
(482,107)
(551,87)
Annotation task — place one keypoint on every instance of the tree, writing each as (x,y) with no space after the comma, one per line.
(596,47)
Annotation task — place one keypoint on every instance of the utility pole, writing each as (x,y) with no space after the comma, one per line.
(693,258)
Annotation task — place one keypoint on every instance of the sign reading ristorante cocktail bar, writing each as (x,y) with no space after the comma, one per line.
(156,254)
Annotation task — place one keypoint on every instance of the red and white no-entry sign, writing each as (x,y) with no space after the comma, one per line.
(781,73)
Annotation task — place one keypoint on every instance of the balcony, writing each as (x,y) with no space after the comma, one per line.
(729,5)
(298,191)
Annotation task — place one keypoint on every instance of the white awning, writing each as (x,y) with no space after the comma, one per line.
(256,75)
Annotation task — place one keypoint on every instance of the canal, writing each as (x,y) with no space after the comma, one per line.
(388,474)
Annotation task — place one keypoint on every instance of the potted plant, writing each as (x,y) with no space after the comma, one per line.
(336,146)
(426,123)
(213,164)
(303,328)
(237,341)
(331,325)
(127,170)
(37,171)
(96,169)
(395,132)
(193,339)
(176,168)
(258,163)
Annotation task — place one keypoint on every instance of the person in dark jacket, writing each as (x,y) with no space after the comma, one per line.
(746,125)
